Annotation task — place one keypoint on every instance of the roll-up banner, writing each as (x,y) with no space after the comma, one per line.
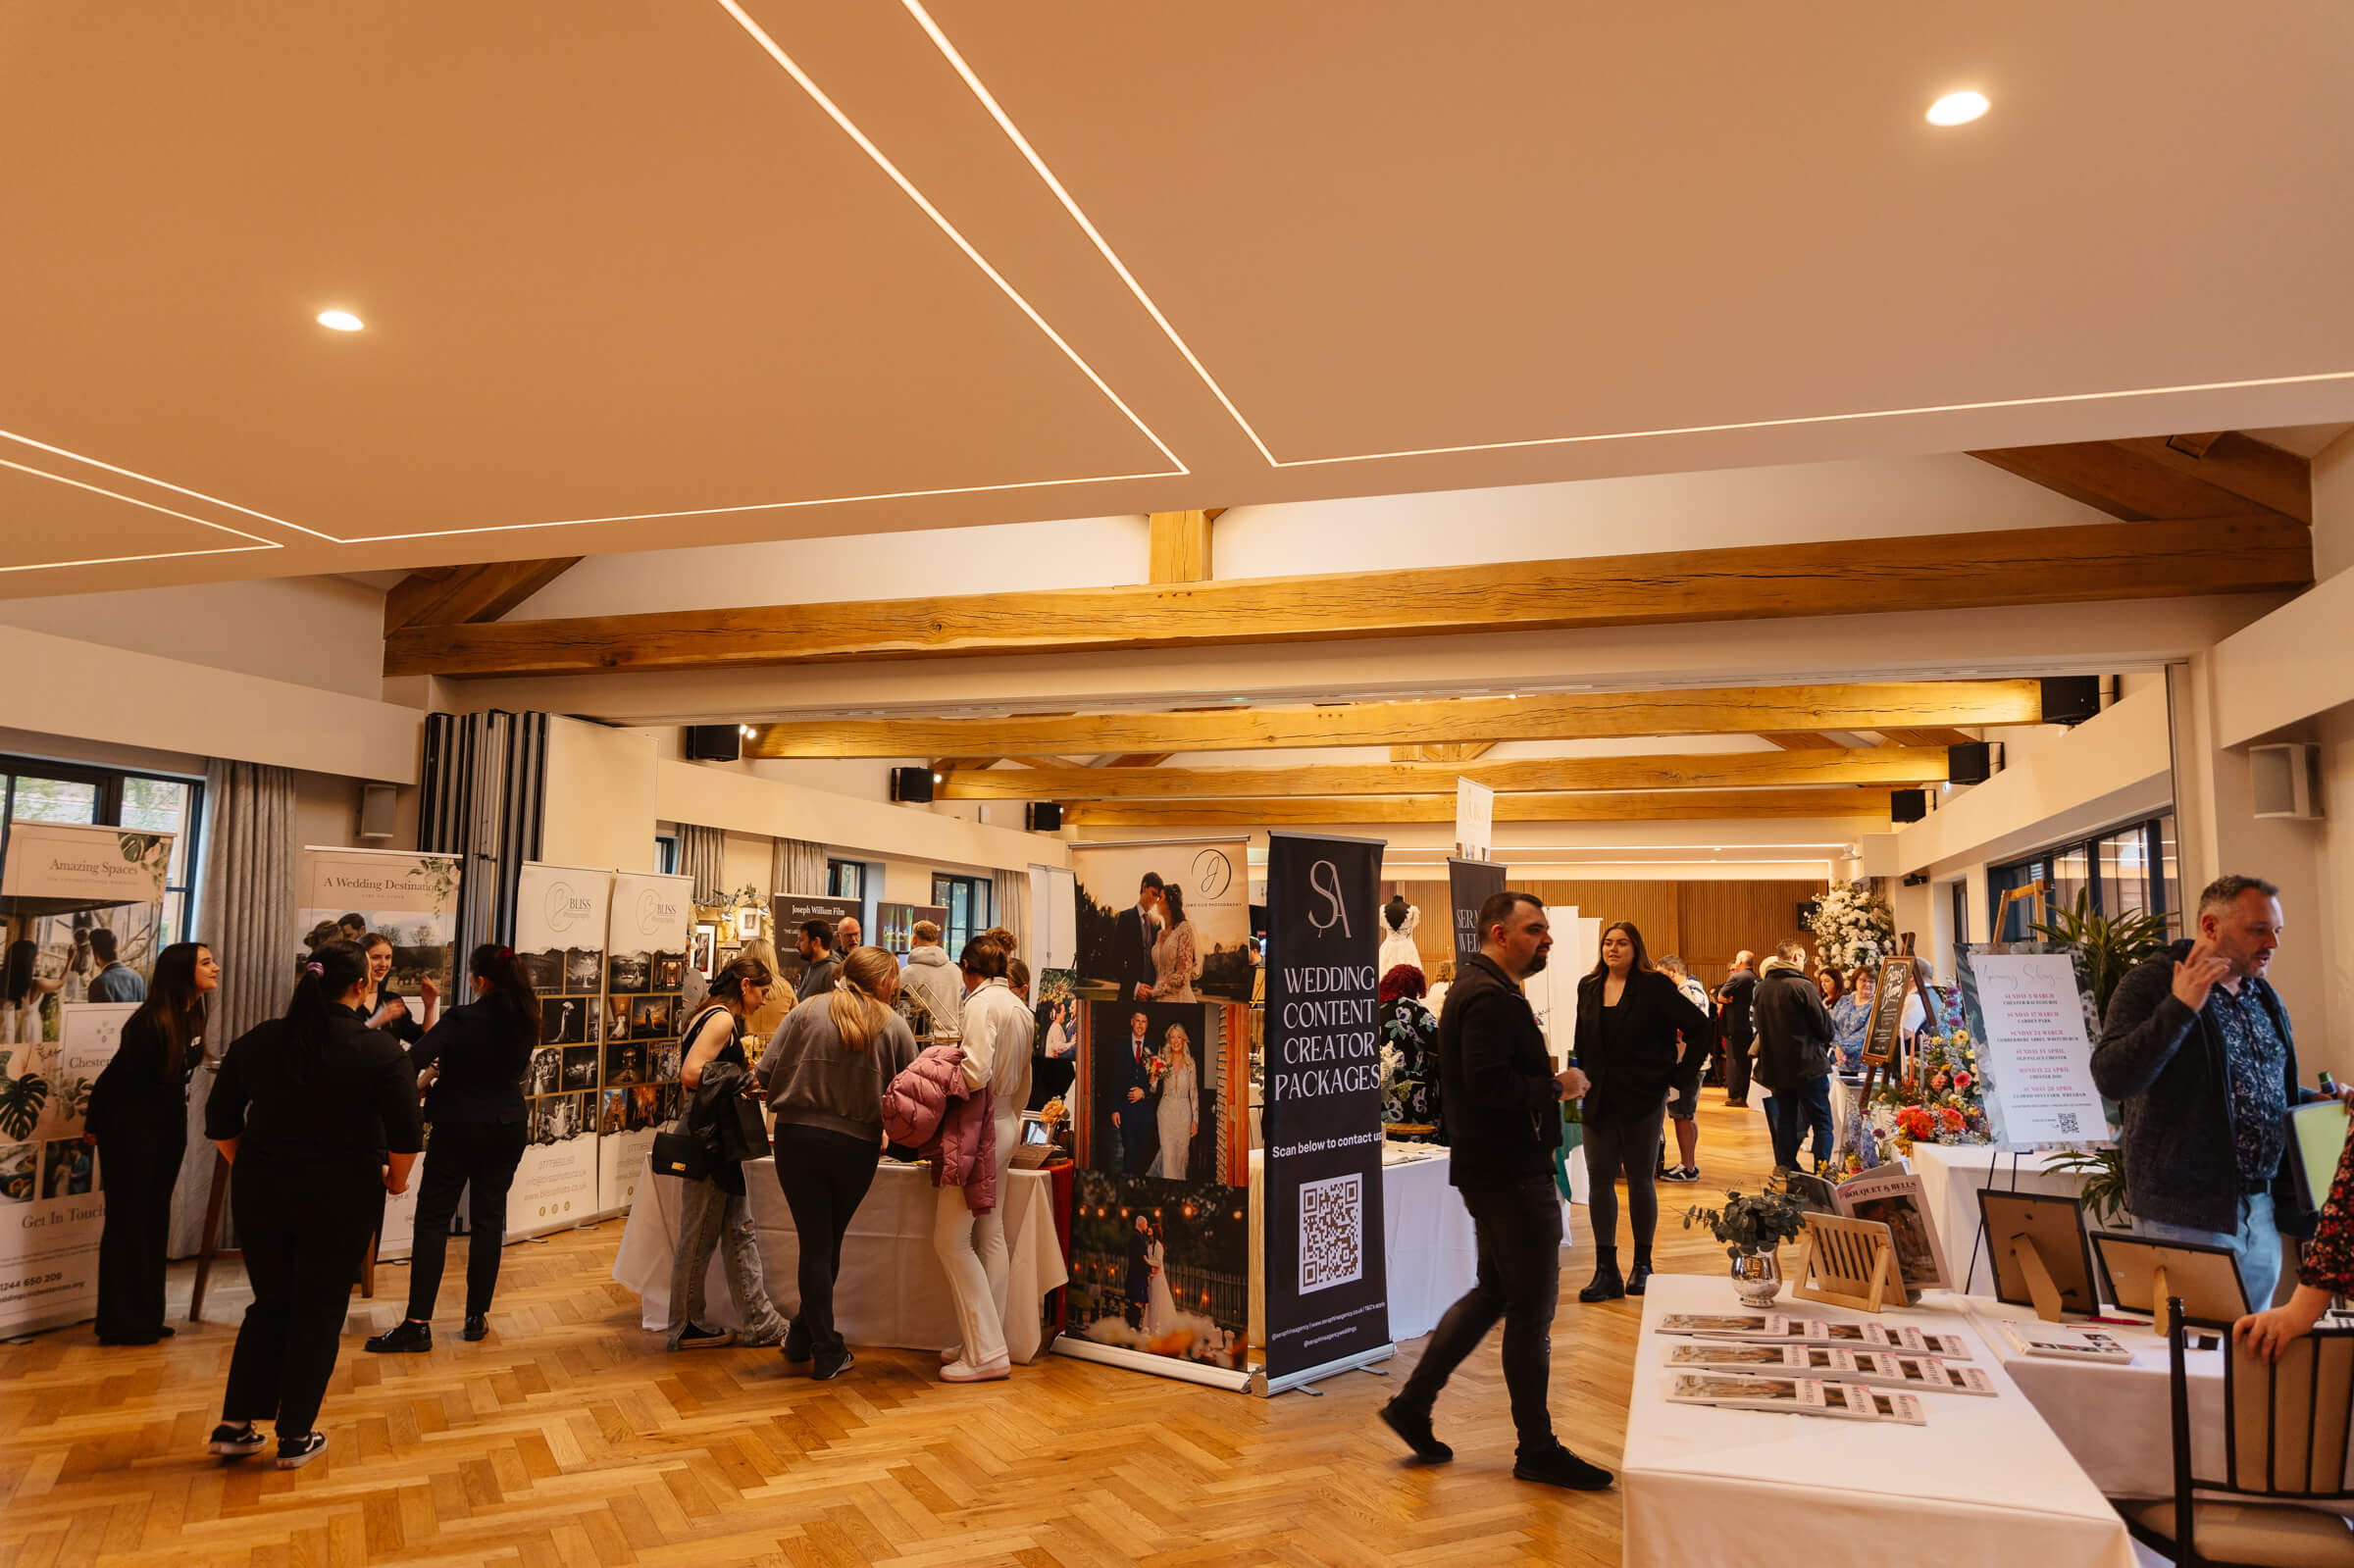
(1133,897)
(1327,1293)
(646,966)
(410,898)
(83,908)
(560,942)
(1469,884)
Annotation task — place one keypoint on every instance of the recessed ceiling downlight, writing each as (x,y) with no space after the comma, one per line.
(342,320)
(1958,108)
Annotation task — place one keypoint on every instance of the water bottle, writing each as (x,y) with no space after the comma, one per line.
(2328,1084)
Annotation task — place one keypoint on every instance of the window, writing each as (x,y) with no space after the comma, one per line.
(845,879)
(666,853)
(107,797)
(2126,871)
(967,900)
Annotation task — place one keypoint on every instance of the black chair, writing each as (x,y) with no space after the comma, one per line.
(2287,1429)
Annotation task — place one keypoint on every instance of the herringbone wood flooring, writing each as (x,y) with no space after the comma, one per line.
(569,1438)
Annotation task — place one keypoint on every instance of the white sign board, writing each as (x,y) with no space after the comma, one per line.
(1053,918)
(2035,1056)
(1474,819)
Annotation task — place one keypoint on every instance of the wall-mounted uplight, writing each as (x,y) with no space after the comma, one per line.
(341,321)
(1958,108)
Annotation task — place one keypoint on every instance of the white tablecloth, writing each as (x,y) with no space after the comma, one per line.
(1428,1249)
(1951,1178)
(1985,1482)
(891,1290)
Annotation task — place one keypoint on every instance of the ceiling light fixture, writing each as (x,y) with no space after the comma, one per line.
(342,320)
(1958,108)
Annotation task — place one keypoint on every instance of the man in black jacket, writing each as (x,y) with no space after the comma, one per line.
(1735,1027)
(2197,1047)
(1794,1055)
(1132,937)
(1501,1103)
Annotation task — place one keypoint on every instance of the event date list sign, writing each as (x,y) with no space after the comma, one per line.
(2035,1051)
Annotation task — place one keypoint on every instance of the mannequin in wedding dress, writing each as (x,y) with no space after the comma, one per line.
(1399,920)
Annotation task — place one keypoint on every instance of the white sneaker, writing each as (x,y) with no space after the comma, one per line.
(955,1353)
(991,1372)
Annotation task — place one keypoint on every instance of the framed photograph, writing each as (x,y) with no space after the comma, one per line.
(2142,1271)
(1897,1201)
(747,923)
(2053,1226)
(703,949)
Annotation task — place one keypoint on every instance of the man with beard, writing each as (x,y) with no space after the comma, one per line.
(1500,1104)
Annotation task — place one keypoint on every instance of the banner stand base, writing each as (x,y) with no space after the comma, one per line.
(1363,1361)
(1160,1366)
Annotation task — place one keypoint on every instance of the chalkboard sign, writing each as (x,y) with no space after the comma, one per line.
(1881,1034)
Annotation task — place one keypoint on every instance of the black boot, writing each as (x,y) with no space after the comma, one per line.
(1640,1273)
(1606,1286)
(405,1337)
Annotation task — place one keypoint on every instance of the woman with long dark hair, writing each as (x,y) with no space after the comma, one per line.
(22,993)
(714,1211)
(300,1109)
(139,1116)
(1629,1017)
(470,1067)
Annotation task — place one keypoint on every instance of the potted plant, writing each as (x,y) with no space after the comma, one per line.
(1752,1226)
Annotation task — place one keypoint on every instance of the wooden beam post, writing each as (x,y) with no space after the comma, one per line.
(1180,548)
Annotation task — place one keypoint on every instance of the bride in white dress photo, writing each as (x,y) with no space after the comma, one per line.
(1180,1109)
(1160,1308)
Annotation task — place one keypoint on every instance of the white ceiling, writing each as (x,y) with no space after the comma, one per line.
(719,270)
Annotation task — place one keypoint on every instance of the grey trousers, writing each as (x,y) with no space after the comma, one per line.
(711,1217)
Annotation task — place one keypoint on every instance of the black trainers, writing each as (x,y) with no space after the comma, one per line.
(694,1337)
(405,1337)
(478,1326)
(236,1443)
(826,1371)
(1559,1467)
(295,1453)
(1681,1173)
(1413,1426)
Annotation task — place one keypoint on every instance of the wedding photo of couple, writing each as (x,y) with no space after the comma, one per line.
(1153,1081)
(1163,922)
(1160,1269)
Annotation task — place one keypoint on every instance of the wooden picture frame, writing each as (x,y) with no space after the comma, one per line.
(1884,1030)
(702,952)
(1849,1263)
(2037,1249)
(2142,1271)
(748,924)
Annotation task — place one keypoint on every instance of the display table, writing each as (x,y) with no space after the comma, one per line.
(1428,1248)
(1985,1481)
(891,1290)
(1952,1174)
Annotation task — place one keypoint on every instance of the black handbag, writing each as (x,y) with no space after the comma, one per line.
(742,1131)
(681,1154)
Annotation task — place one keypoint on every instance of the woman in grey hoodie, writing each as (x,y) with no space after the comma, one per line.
(825,1071)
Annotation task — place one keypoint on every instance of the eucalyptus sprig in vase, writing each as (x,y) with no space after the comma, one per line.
(1751,1228)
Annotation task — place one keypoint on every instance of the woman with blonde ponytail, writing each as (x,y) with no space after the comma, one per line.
(825,1072)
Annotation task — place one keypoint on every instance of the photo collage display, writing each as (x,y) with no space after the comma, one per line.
(643,1017)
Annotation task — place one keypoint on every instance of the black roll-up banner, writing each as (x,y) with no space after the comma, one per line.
(1469,884)
(1327,1291)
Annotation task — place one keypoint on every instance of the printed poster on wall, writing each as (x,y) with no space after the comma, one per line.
(83,914)
(1133,899)
(411,899)
(2031,1011)
(1326,1287)
(792,911)
(560,942)
(646,965)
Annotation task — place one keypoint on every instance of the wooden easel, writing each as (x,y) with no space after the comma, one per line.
(1854,1261)
(208,1247)
(2039,915)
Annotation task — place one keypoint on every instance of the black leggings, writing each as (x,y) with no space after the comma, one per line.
(1630,1149)
(479,1157)
(304,1227)
(825,1175)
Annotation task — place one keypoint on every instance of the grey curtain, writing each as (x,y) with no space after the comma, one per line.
(248,919)
(701,852)
(1012,888)
(797,866)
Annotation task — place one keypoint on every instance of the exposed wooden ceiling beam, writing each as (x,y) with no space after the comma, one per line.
(1801,741)
(1934,736)
(2152,479)
(444,596)
(1180,548)
(1135,759)
(1534,716)
(1958,571)
(1736,770)
(1445,751)
(1690,805)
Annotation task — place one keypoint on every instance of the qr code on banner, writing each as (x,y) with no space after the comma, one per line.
(2067,1119)
(1332,1229)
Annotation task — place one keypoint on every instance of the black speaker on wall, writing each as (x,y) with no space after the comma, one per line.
(1907,805)
(1972,762)
(911,786)
(1044,815)
(2070,698)
(714,742)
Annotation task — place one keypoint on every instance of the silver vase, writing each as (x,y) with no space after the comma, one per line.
(1758,1278)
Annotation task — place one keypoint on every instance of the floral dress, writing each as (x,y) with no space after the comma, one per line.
(2328,1261)
(1411,1083)
(1850,1016)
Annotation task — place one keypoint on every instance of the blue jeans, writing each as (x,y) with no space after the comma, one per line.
(1791,1112)
(2256,1244)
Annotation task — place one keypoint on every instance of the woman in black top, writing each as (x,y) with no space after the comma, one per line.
(140,1118)
(471,1066)
(300,1108)
(379,1007)
(715,1213)
(1629,1016)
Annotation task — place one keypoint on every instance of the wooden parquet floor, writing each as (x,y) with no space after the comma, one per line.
(569,1439)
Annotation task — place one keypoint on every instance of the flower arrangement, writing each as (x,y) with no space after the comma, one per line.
(1942,1101)
(1853,927)
(1156,1068)
(1757,1223)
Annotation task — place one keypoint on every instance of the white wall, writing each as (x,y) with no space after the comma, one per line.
(324,631)
(600,808)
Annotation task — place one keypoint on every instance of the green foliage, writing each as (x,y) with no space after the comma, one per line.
(1757,1223)
(21,1103)
(2104,1174)
(2113,944)
(73,1097)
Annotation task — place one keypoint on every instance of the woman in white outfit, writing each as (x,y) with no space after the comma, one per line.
(1180,1109)
(1160,1308)
(997,1031)
(1176,961)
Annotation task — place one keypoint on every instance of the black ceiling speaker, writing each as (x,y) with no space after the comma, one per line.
(2070,698)
(1907,805)
(911,786)
(714,742)
(1046,816)
(1972,762)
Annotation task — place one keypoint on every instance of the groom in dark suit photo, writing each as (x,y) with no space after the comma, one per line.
(1132,943)
(1134,1116)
